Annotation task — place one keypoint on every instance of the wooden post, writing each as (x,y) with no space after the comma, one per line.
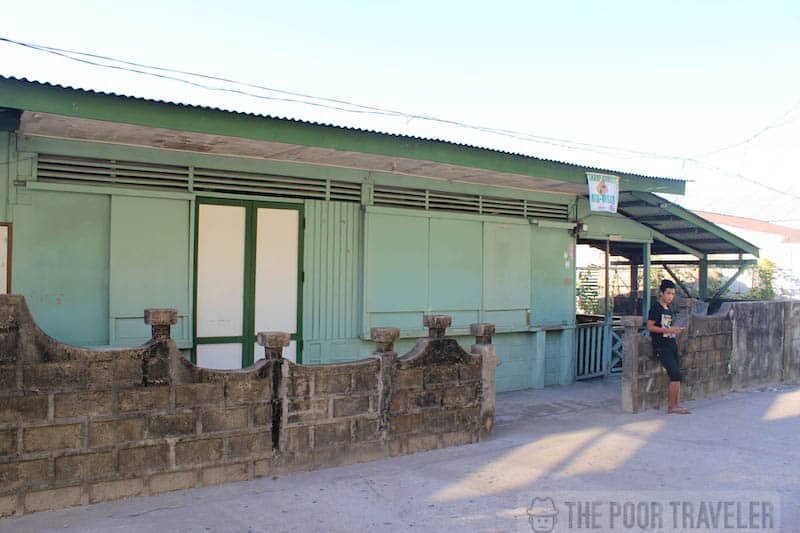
(634,279)
(646,281)
(608,306)
(703,279)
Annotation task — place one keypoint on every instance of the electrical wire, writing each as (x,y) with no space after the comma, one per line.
(352,107)
(363,109)
(781,121)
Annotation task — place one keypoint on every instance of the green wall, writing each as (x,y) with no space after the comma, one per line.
(60,263)
(553,274)
(91,258)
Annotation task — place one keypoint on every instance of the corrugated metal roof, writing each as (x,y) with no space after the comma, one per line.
(680,225)
(335,126)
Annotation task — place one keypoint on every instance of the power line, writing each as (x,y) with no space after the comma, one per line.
(781,121)
(742,177)
(564,143)
(306,99)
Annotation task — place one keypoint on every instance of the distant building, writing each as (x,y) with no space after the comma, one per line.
(779,244)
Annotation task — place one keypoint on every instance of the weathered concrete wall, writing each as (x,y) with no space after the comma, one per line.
(744,345)
(80,426)
(758,342)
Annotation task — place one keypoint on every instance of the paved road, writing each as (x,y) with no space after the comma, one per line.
(570,444)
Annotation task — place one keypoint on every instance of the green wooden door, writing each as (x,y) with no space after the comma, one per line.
(248,268)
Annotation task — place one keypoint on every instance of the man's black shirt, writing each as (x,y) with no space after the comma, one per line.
(663,318)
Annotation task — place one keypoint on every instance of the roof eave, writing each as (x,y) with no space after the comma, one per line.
(38,97)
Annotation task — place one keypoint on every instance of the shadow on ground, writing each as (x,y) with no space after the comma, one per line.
(548,444)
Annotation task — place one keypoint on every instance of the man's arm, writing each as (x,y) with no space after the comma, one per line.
(652,328)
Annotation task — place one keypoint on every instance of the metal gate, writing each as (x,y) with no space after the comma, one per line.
(598,348)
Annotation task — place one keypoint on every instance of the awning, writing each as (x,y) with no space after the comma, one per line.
(676,230)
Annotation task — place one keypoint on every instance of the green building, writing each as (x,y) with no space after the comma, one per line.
(245,223)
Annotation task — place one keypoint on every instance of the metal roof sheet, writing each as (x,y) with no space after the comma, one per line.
(338,127)
(681,225)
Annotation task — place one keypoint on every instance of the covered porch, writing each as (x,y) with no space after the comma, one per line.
(680,241)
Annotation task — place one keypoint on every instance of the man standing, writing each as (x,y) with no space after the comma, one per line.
(665,347)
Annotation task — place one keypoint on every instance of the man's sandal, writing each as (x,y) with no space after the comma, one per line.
(678,411)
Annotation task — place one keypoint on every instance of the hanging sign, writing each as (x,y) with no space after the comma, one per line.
(603,192)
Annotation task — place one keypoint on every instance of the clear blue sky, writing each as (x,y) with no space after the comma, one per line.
(671,77)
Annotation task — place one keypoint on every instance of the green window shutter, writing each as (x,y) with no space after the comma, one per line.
(456,269)
(396,271)
(150,266)
(60,264)
(507,274)
(553,275)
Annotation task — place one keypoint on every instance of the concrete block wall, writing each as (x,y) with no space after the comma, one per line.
(744,345)
(80,426)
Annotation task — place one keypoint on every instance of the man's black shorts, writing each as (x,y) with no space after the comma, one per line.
(671,362)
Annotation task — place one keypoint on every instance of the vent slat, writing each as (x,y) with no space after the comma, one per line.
(266,191)
(467,203)
(227,176)
(276,184)
(109,167)
(67,169)
(119,180)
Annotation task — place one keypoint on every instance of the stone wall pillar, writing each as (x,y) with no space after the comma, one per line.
(631,395)
(384,351)
(160,321)
(483,346)
(437,325)
(273,342)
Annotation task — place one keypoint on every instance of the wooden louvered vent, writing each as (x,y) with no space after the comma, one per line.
(467,203)
(63,169)
(87,171)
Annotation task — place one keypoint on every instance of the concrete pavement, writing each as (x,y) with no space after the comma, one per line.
(561,443)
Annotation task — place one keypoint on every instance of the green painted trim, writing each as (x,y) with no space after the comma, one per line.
(421,213)
(250,198)
(363,282)
(220,340)
(698,221)
(301,280)
(107,190)
(44,98)
(646,280)
(90,149)
(552,224)
(249,304)
(413,182)
(194,210)
(165,156)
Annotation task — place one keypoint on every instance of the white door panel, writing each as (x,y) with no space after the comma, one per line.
(276,270)
(219,356)
(220,270)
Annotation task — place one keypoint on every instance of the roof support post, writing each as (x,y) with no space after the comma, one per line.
(728,283)
(703,278)
(678,281)
(634,278)
(646,282)
(608,307)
